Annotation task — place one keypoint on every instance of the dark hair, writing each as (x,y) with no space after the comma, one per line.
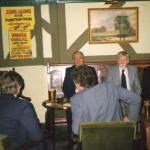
(20,81)
(77,52)
(123,53)
(10,81)
(84,75)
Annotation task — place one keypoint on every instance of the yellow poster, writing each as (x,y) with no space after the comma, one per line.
(20,44)
(18,18)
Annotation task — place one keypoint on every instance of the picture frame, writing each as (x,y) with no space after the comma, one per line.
(113,25)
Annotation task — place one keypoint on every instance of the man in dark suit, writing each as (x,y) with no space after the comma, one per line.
(146,84)
(18,118)
(99,102)
(68,85)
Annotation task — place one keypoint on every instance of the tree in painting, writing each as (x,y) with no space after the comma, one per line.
(123,27)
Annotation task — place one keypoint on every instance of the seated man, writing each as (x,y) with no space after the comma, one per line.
(68,85)
(126,76)
(100,102)
(18,118)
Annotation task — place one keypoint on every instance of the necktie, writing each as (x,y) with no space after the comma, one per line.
(123,105)
(123,80)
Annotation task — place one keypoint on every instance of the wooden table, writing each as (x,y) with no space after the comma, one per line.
(50,119)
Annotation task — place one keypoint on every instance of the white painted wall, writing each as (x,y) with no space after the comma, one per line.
(36,86)
(77,22)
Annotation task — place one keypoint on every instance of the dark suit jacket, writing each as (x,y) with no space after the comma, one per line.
(146,83)
(68,85)
(19,121)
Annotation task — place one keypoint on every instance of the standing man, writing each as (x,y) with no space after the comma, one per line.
(126,76)
(99,102)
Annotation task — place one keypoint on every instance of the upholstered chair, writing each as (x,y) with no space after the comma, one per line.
(107,135)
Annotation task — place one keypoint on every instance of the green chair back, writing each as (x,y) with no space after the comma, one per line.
(107,135)
(3,139)
(5,144)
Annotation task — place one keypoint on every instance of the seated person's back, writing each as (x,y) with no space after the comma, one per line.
(18,118)
(100,102)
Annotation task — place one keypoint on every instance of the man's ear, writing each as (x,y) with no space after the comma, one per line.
(18,89)
(79,87)
(128,60)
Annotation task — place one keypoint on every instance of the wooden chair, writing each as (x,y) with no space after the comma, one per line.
(107,135)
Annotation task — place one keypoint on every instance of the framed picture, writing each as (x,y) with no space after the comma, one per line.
(113,25)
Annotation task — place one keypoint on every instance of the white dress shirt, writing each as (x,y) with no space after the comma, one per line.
(126,75)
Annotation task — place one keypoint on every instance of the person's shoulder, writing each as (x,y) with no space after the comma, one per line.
(78,94)
(100,88)
(77,98)
(108,84)
(131,67)
(100,85)
(91,67)
(147,69)
(70,68)
(146,72)
(112,67)
(18,105)
(23,103)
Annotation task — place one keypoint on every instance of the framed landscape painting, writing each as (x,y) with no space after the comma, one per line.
(113,25)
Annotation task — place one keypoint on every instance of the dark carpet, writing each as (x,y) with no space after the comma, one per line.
(61,138)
